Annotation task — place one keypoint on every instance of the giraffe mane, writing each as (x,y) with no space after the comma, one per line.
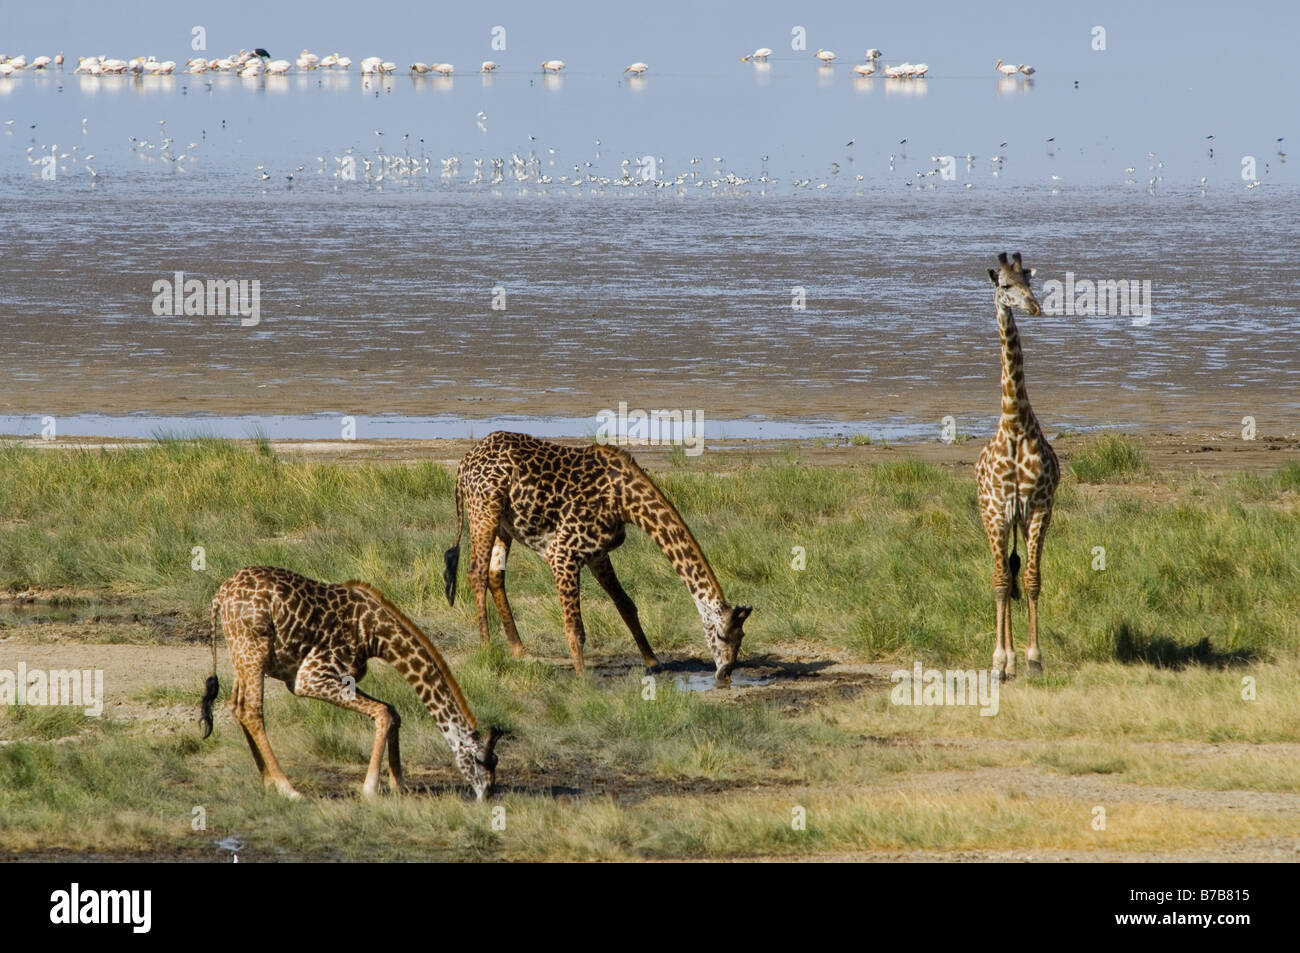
(422,640)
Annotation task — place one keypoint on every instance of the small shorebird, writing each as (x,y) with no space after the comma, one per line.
(552,66)
(636,68)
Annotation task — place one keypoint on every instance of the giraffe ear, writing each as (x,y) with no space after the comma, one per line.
(1002,257)
(993,276)
(1016,259)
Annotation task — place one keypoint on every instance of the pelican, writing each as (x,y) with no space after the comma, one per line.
(553,66)
(761,54)
(444,69)
(58,60)
(278,67)
(636,68)
(873,54)
(41,62)
(825,56)
(387,66)
(329,61)
(344,62)
(919,70)
(488,66)
(6,69)
(866,69)
(1027,70)
(421,67)
(18,62)
(1007,70)
(894,72)
(307,60)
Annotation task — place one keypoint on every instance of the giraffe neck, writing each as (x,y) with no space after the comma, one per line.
(400,643)
(1017,416)
(649,509)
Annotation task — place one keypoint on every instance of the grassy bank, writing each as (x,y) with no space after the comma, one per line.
(896,563)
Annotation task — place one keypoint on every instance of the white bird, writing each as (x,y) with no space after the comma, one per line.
(866,69)
(553,66)
(1027,70)
(919,70)
(488,66)
(420,67)
(761,54)
(58,60)
(41,62)
(873,54)
(329,61)
(278,67)
(444,69)
(344,62)
(1006,70)
(825,56)
(636,68)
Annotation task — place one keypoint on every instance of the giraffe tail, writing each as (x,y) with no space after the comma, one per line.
(212,686)
(451,558)
(1013,564)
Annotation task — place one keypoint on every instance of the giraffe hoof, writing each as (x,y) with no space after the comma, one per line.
(1035,667)
(518,651)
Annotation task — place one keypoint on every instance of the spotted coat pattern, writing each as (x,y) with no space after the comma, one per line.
(1017,473)
(571,505)
(317,638)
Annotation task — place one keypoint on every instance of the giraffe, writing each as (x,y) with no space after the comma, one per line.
(316,637)
(1017,474)
(571,506)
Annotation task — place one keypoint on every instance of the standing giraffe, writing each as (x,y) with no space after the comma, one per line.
(316,638)
(1017,475)
(570,505)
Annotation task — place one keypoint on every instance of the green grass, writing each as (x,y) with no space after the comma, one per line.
(1110,458)
(897,564)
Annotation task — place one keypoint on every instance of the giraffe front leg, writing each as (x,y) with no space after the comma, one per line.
(321,679)
(568,582)
(603,570)
(395,779)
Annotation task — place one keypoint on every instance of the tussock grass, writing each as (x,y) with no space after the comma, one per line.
(897,564)
(1111,458)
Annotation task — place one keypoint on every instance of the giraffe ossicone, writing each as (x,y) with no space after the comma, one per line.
(317,637)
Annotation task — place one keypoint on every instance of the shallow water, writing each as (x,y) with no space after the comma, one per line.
(669,289)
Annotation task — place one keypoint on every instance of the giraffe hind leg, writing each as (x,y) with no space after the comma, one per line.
(497,584)
(248,653)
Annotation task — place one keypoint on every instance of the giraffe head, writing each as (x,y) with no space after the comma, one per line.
(477,761)
(724,632)
(1012,283)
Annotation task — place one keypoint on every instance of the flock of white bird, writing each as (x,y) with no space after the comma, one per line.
(259,62)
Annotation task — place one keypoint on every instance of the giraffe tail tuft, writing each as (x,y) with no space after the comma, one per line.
(210,690)
(1013,564)
(451,558)
(212,685)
